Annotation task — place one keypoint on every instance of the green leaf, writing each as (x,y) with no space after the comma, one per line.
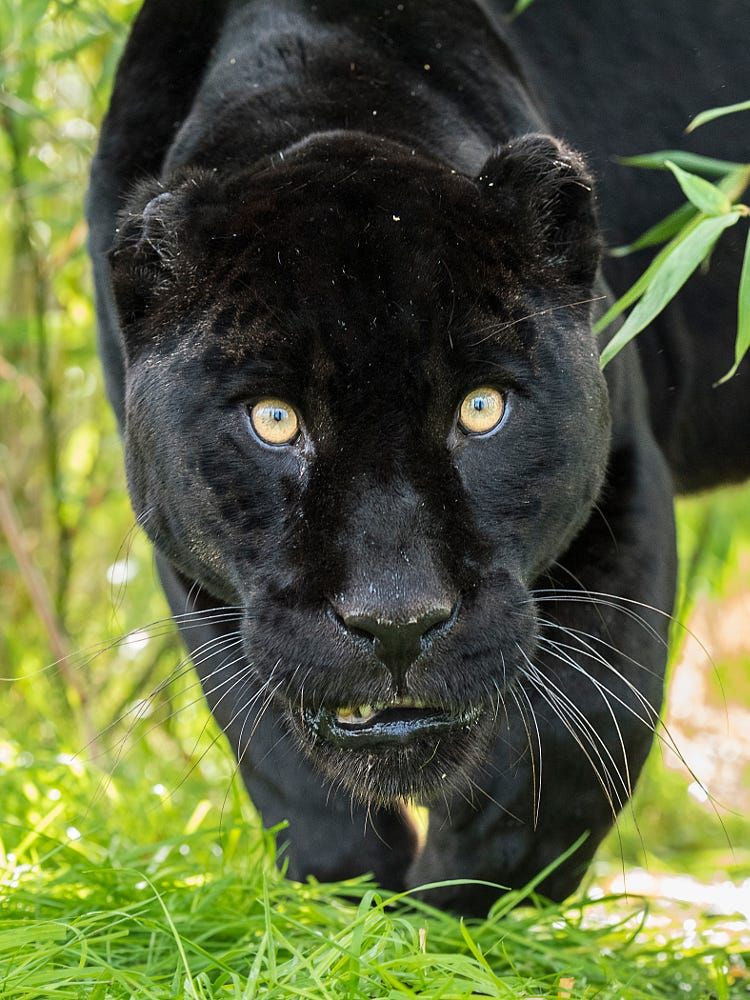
(519,7)
(708,116)
(742,344)
(705,165)
(662,231)
(639,287)
(673,271)
(703,194)
(733,185)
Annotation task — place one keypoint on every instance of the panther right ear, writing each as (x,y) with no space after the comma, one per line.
(545,192)
(145,248)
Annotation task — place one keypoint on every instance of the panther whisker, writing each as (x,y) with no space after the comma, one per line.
(120,745)
(603,691)
(185,666)
(652,724)
(239,676)
(535,784)
(262,711)
(580,635)
(569,721)
(598,602)
(568,594)
(594,654)
(246,709)
(95,650)
(666,739)
(501,327)
(192,594)
(483,791)
(549,690)
(243,678)
(581,718)
(538,801)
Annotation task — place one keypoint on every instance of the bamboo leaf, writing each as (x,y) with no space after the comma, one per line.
(662,231)
(674,270)
(519,7)
(708,116)
(733,185)
(703,194)
(742,344)
(638,287)
(706,166)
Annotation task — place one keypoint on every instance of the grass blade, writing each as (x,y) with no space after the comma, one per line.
(703,194)
(674,269)
(742,344)
(708,116)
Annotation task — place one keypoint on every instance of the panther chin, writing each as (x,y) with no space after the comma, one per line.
(401,749)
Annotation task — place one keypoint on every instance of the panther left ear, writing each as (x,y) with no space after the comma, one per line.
(545,192)
(143,250)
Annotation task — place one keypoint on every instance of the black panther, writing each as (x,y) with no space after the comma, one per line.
(347,259)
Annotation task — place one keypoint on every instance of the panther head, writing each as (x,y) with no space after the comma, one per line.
(364,405)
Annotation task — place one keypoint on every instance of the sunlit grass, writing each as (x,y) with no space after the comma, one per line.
(122,886)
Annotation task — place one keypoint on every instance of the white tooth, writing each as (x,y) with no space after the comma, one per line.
(353,714)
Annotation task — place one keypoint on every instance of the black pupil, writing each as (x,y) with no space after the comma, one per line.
(479,403)
(278,415)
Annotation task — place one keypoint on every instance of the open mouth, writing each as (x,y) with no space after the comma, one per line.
(396,722)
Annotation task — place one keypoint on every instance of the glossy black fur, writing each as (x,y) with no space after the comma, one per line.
(360,208)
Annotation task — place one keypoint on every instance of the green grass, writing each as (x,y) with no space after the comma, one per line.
(117,888)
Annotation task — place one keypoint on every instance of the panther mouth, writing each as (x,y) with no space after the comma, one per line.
(395,723)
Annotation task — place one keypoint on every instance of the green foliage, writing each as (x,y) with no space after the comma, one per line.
(713,113)
(692,231)
(520,6)
(743,315)
(131,863)
(668,273)
(704,166)
(118,908)
(704,195)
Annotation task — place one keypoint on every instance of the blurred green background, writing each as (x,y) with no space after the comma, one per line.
(76,576)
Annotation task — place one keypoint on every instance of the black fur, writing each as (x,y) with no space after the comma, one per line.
(360,209)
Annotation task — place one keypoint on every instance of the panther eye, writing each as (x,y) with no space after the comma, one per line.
(481,411)
(274,421)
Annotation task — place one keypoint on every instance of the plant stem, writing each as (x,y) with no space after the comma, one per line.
(11,527)
(40,288)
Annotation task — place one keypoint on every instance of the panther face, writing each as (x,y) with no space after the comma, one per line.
(364,405)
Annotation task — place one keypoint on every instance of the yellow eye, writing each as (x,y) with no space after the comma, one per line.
(481,410)
(274,421)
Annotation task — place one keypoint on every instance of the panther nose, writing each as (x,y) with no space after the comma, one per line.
(397,642)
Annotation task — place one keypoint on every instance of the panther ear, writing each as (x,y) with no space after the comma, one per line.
(546,192)
(144,250)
